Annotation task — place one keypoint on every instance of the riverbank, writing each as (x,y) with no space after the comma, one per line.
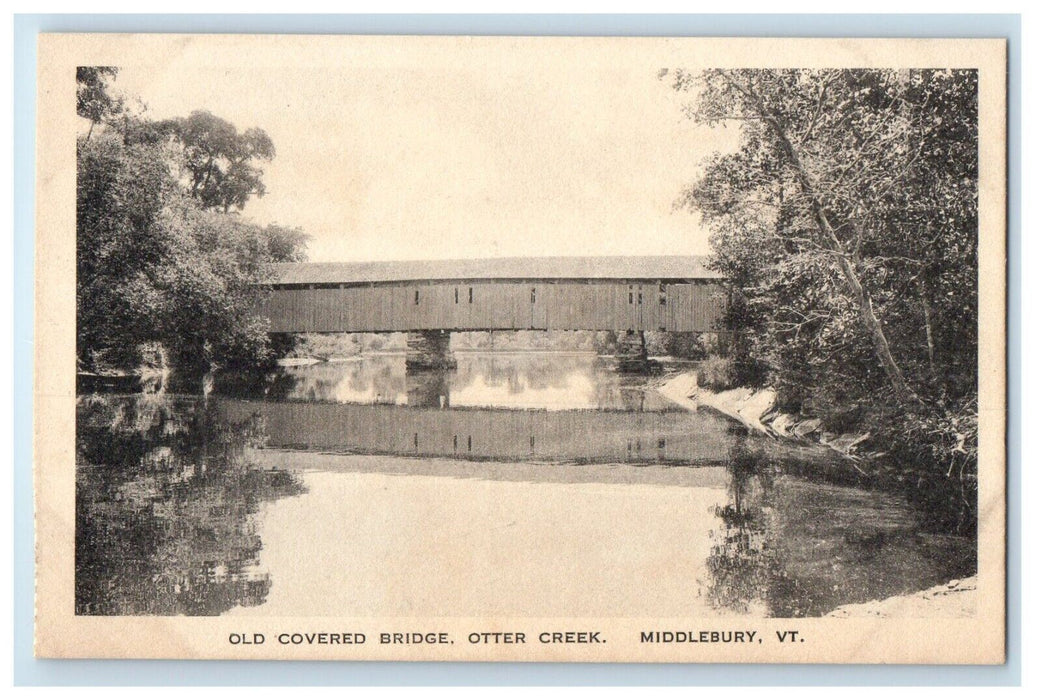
(755,408)
(957,598)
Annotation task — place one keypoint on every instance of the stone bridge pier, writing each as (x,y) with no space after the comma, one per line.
(631,354)
(429,350)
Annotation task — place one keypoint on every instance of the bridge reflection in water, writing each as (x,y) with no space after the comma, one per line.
(581,436)
(523,407)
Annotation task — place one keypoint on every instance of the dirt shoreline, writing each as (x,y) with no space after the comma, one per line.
(755,408)
(957,598)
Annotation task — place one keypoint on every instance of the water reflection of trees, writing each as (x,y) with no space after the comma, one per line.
(383,379)
(799,539)
(521,372)
(165,506)
(739,559)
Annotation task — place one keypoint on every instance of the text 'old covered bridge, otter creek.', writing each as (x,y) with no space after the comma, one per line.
(431,299)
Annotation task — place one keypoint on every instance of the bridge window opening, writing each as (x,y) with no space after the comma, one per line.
(456,290)
(470,295)
(416,297)
(662,443)
(416,441)
(468,443)
(454,442)
(631,297)
(533,295)
(640,297)
(531,443)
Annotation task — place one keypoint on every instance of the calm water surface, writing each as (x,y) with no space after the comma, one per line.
(536,484)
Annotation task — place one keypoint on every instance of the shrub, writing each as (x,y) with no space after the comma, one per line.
(716,373)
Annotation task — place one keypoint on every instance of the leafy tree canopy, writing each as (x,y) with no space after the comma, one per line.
(155,262)
(93,101)
(846,220)
(221,162)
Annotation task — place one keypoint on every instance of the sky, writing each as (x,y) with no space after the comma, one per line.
(393,151)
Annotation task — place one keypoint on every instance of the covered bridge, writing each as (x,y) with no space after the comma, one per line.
(664,293)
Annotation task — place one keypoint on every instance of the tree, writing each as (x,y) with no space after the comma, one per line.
(221,162)
(93,101)
(120,243)
(286,244)
(846,224)
(155,267)
(853,192)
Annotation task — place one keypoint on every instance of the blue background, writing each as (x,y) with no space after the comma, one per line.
(30,671)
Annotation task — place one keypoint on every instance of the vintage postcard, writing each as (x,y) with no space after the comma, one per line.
(520,349)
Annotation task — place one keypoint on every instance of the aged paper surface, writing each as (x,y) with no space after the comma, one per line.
(469,149)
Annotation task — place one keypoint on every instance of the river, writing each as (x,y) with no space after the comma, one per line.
(525,484)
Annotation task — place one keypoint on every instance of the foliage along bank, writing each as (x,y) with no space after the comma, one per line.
(165,265)
(846,222)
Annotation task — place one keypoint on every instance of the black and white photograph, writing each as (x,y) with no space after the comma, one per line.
(502,348)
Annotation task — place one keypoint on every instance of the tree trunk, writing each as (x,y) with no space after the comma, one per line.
(880,344)
(928,323)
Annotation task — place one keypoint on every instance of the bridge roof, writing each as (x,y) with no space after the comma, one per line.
(661,267)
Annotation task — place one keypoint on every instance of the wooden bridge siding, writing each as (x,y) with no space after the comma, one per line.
(353,312)
(327,309)
(490,434)
(487,296)
(694,307)
(567,305)
(274,307)
(546,303)
(710,307)
(498,305)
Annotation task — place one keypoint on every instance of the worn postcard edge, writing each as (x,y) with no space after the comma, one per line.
(60,633)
